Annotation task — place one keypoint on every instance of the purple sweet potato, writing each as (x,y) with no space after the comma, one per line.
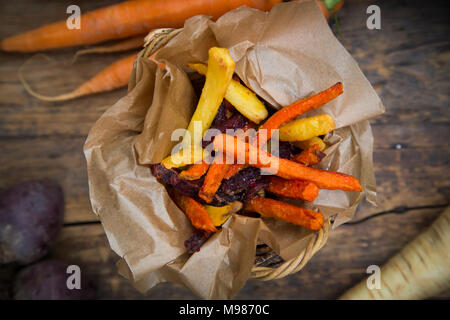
(31,215)
(47,280)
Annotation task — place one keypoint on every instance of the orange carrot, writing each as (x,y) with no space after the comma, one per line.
(124,45)
(213,179)
(309,156)
(197,213)
(297,108)
(124,20)
(284,168)
(110,78)
(284,211)
(195,171)
(294,189)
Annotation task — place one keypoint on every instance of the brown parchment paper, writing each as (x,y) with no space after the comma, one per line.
(283,55)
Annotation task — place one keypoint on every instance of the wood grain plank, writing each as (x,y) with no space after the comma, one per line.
(57,158)
(339,265)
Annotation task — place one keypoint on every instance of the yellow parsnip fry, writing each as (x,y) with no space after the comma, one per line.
(243,99)
(306,128)
(218,76)
(219,72)
(219,215)
(184,157)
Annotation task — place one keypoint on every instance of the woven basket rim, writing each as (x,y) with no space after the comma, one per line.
(157,39)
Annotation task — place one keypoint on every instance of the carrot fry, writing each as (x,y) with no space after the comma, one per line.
(195,171)
(227,169)
(110,78)
(198,215)
(298,108)
(310,142)
(294,189)
(284,168)
(233,169)
(284,211)
(310,156)
(213,179)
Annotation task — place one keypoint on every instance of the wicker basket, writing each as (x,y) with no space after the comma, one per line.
(268,265)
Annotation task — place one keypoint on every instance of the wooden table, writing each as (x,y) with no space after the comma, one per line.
(407,61)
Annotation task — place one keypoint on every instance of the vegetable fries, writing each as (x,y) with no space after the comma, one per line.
(311,142)
(310,156)
(198,215)
(276,209)
(219,215)
(287,169)
(242,98)
(307,128)
(218,76)
(209,194)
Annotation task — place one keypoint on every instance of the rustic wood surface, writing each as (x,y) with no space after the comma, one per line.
(407,61)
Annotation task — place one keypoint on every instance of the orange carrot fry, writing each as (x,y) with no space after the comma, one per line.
(195,171)
(213,179)
(298,108)
(294,189)
(233,169)
(309,156)
(284,211)
(284,168)
(198,215)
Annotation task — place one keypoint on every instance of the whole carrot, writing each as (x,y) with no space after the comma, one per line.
(123,20)
(123,45)
(110,78)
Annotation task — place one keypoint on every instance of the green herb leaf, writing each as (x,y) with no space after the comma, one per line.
(331,3)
